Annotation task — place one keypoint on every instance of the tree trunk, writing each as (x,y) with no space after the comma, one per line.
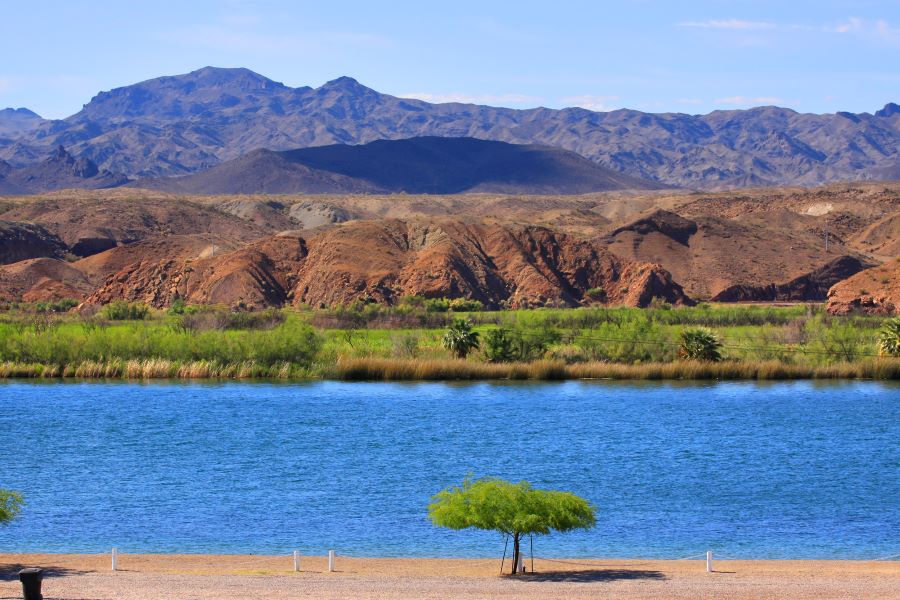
(515,553)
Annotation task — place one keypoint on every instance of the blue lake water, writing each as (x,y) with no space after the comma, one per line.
(750,470)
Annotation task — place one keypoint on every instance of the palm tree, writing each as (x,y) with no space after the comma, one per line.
(460,339)
(889,338)
(700,344)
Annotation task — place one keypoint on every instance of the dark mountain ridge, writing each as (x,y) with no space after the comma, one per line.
(425,165)
(187,123)
(57,171)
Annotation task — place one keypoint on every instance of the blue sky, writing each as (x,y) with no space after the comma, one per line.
(687,56)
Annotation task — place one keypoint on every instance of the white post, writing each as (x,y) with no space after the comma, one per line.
(520,568)
(296,560)
(709,563)
(331,561)
(115,558)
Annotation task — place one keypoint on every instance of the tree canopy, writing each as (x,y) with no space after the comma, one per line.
(10,505)
(515,509)
(460,339)
(889,338)
(700,343)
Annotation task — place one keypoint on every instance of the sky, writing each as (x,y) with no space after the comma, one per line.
(657,56)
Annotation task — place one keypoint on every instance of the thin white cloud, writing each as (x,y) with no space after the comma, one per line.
(5,84)
(878,29)
(689,101)
(749,100)
(490,99)
(595,103)
(851,25)
(729,24)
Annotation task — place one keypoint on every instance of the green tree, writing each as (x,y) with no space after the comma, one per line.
(700,343)
(498,346)
(889,338)
(10,505)
(460,339)
(514,509)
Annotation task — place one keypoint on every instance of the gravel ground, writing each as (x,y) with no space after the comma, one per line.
(88,577)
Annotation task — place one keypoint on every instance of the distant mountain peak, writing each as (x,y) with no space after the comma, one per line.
(224,75)
(346,85)
(18,121)
(19,112)
(890,109)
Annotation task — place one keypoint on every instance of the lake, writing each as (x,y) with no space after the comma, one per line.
(746,469)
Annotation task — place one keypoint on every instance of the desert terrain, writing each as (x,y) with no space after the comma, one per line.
(625,247)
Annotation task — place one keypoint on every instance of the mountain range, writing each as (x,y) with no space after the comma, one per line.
(185,124)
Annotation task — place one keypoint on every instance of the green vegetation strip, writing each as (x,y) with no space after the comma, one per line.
(432,341)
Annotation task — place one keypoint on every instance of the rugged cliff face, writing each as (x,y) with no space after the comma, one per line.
(21,241)
(514,266)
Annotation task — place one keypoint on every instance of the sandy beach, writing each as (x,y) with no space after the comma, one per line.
(89,577)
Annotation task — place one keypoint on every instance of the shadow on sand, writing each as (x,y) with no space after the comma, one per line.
(10,572)
(591,576)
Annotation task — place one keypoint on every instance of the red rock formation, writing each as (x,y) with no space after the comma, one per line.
(515,266)
(873,291)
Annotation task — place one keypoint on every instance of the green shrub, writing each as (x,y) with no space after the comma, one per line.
(126,311)
(889,338)
(700,344)
(460,339)
(412,300)
(498,346)
(58,306)
(466,305)
(405,345)
(597,294)
(437,305)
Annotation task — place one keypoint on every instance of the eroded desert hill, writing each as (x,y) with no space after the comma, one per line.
(756,245)
(874,291)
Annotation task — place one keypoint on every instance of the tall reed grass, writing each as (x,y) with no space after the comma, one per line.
(153,368)
(374,369)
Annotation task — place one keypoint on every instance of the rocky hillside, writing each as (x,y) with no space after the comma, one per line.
(428,165)
(873,291)
(188,123)
(510,266)
(751,258)
(755,245)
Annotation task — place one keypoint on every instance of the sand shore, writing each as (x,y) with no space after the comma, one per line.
(142,576)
